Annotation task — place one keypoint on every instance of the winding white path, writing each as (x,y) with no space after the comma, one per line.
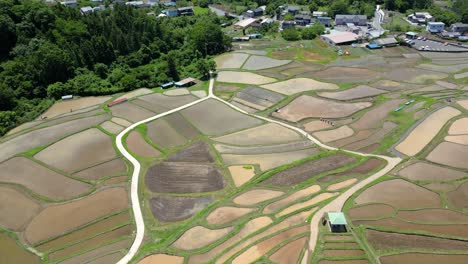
(335,205)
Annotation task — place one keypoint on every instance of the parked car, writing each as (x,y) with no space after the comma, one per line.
(424,39)
(419,38)
(413,43)
(446,44)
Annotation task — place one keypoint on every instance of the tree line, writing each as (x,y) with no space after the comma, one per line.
(47,52)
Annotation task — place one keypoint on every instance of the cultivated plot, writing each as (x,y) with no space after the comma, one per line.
(243,77)
(297,85)
(261,62)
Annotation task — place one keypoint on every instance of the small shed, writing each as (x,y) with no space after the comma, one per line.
(187,82)
(411,35)
(337,222)
(386,42)
(167,85)
(373,46)
(67,97)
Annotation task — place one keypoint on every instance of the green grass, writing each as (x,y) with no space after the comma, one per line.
(200,10)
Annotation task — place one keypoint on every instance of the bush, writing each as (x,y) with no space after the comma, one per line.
(291,34)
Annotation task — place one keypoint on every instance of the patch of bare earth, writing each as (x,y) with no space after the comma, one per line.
(290,252)
(450,154)
(226,214)
(170,209)
(139,146)
(199,236)
(162,258)
(16,208)
(422,171)
(370,211)
(424,258)
(256,196)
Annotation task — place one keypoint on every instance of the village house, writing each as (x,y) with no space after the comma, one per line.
(435,27)
(319,14)
(421,17)
(185,11)
(325,21)
(255,13)
(459,27)
(69,3)
(344,20)
(302,20)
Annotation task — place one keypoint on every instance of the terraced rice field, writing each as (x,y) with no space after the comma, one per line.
(231,60)
(139,146)
(358,92)
(170,208)
(243,77)
(297,85)
(69,106)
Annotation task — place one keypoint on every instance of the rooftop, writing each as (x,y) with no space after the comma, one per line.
(337,218)
(436,23)
(245,23)
(341,37)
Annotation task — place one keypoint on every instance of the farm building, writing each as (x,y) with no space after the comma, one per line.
(243,24)
(357,20)
(435,27)
(421,17)
(187,82)
(386,42)
(411,35)
(339,38)
(459,27)
(337,222)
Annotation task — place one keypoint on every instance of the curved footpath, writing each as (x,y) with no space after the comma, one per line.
(335,205)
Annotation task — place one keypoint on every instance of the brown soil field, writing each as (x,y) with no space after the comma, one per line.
(341,185)
(265,149)
(91,146)
(162,258)
(170,209)
(308,169)
(70,116)
(297,85)
(290,252)
(130,112)
(249,227)
(343,252)
(246,106)
(87,232)
(230,60)
(338,237)
(399,193)
(256,196)
(63,107)
(159,103)
(440,186)
(93,242)
(177,92)
(460,139)
(241,175)
(334,134)
(306,106)
(169,177)
(424,132)
(363,168)
(111,127)
(340,245)
(374,138)
(361,91)
(226,214)
(424,258)
(415,107)
(269,161)
(357,261)
(162,134)
(93,254)
(58,219)
(316,125)
(450,154)
(387,241)
(46,135)
(121,122)
(312,201)
(374,117)
(10,252)
(388,85)
(422,171)
(344,74)
(17,209)
(116,180)
(456,230)
(23,127)
(361,135)
(207,116)
(139,146)
(458,127)
(109,168)
(463,103)
(370,149)
(413,75)
(178,122)
(267,134)
(262,62)
(260,249)
(199,236)
(40,180)
(459,197)
(197,152)
(291,198)
(434,216)
(370,211)
(111,258)
(284,54)
(243,77)
(135,93)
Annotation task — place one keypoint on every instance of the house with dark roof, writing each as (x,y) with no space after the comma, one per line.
(459,27)
(293,10)
(325,21)
(302,20)
(357,20)
(254,13)
(185,11)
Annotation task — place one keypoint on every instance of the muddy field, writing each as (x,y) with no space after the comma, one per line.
(162,134)
(58,219)
(79,151)
(243,77)
(207,116)
(399,193)
(182,126)
(135,93)
(289,252)
(343,252)
(177,92)
(374,117)
(424,132)
(268,134)
(458,127)
(256,196)
(304,171)
(264,149)
(459,197)
(361,91)
(387,240)
(373,139)
(170,209)
(11,252)
(259,97)
(334,134)
(370,211)
(139,146)
(297,85)
(344,74)
(130,112)
(450,154)
(46,135)
(316,125)
(363,168)
(341,185)
(160,103)
(40,180)
(434,216)
(422,171)
(63,107)
(241,174)
(111,127)
(308,203)
(226,214)
(230,60)
(307,106)
(262,62)
(199,236)
(162,258)
(421,258)
(109,168)
(169,177)
(460,139)
(197,152)
(413,75)
(291,198)
(99,252)
(17,209)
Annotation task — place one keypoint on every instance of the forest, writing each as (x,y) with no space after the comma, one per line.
(50,51)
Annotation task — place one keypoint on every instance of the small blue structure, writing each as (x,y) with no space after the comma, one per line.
(373,46)
(435,27)
(255,36)
(169,4)
(171,12)
(167,85)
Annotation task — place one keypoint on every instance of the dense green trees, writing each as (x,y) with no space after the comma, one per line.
(47,52)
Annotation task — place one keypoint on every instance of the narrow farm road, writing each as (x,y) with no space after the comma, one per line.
(335,205)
